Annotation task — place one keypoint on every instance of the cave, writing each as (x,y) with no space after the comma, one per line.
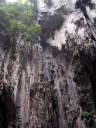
(7,109)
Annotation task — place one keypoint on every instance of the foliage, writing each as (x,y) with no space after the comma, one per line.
(86,115)
(89,119)
(4,21)
(17,18)
(33,30)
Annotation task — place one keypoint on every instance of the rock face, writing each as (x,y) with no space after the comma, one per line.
(42,87)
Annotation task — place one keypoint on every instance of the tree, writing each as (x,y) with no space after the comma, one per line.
(17,18)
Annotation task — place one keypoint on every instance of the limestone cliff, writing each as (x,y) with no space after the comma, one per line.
(51,86)
(43,87)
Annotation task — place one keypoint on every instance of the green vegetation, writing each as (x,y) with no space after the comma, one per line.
(86,115)
(31,31)
(17,19)
(89,119)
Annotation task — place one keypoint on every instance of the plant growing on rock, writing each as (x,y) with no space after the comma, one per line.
(16,19)
(86,115)
(32,31)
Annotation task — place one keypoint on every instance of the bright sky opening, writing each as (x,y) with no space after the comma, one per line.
(12,1)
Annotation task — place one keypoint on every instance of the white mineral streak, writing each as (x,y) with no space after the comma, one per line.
(69,20)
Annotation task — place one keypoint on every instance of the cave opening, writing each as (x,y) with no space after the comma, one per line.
(7,109)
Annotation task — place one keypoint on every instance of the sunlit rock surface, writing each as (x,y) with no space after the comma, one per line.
(71,11)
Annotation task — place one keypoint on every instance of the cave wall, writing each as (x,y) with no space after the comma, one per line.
(44,91)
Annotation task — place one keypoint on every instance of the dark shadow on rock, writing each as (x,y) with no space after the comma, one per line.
(85,3)
(49,3)
(50,24)
(7,109)
(5,42)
